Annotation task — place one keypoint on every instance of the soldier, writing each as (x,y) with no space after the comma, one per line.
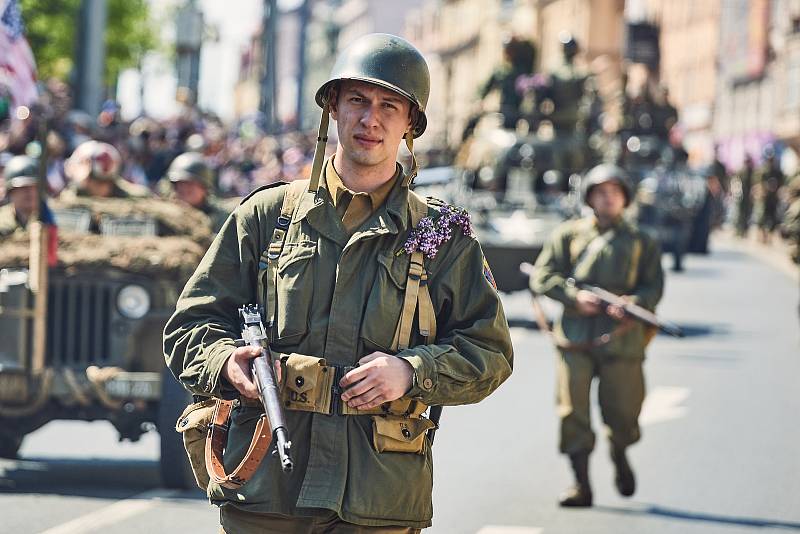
(519,56)
(607,251)
(743,193)
(790,228)
(570,90)
(341,283)
(770,180)
(192,181)
(93,170)
(20,175)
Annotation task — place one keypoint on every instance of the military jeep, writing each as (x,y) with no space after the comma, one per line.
(121,265)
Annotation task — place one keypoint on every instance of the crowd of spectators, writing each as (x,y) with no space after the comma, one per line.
(242,155)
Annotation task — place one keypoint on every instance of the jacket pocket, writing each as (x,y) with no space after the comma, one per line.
(385,302)
(193,426)
(295,290)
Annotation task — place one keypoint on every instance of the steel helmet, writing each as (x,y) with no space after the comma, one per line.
(606,172)
(190,166)
(20,171)
(388,61)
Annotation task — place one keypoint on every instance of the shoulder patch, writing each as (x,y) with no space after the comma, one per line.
(262,188)
(487,273)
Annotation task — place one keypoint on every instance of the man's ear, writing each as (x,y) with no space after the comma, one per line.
(333,101)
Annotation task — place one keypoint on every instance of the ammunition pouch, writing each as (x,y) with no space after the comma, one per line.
(193,424)
(392,433)
(307,383)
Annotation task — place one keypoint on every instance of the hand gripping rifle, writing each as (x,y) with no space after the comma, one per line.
(631,310)
(263,371)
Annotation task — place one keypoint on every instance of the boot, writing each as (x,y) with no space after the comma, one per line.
(579,495)
(624,479)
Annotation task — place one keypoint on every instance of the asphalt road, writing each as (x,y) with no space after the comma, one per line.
(719,454)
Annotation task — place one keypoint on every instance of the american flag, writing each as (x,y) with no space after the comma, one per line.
(17,65)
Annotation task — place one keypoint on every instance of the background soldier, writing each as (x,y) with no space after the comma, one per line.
(20,175)
(790,229)
(611,253)
(193,181)
(743,193)
(770,180)
(519,56)
(345,246)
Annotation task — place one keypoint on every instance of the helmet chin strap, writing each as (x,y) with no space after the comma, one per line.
(319,150)
(409,177)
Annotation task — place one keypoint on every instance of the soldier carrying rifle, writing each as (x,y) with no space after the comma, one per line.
(600,335)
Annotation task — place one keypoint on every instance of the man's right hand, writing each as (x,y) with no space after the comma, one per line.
(237,370)
(587,303)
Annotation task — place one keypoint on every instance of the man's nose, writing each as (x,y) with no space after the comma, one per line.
(369,117)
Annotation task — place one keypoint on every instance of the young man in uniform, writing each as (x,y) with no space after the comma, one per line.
(336,289)
(606,251)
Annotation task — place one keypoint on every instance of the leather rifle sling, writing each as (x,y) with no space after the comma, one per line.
(217,438)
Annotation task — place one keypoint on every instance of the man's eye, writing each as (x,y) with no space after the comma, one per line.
(389,106)
(355,99)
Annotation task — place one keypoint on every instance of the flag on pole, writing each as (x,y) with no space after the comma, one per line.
(17,65)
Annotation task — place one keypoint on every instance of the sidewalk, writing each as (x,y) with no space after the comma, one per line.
(775,253)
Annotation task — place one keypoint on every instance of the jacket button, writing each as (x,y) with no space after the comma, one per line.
(427,383)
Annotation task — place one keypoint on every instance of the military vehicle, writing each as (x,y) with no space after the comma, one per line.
(120,267)
(518,186)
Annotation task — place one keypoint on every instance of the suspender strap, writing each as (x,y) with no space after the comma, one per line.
(636,254)
(403,332)
(319,151)
(268,262)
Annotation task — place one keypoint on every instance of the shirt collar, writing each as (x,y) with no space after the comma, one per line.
(336,187)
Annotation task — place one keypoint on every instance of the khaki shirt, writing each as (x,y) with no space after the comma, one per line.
(354,208)
(617,266)
(340,297)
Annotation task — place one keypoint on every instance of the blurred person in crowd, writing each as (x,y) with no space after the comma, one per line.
(607,251)
(93,171)
(770,180)
(743,195)
(56,153)
(20,177)
(193,183)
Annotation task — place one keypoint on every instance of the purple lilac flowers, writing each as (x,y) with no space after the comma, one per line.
(431,234)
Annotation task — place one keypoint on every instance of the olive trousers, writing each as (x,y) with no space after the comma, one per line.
(620,394)
(236,521)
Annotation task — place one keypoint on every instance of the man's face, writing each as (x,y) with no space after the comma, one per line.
(607,200)
(190,192)
(371,122)
(24,200)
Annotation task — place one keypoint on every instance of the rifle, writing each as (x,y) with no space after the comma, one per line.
(261,367)
(263,372)
(631,310)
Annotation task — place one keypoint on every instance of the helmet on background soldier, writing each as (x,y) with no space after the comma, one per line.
(191,166)
(20,171)
(607,172)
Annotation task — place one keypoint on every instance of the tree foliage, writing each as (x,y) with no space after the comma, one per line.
(52,27)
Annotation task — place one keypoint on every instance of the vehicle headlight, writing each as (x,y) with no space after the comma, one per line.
(133,302)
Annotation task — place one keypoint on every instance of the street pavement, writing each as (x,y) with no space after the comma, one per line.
(719,454)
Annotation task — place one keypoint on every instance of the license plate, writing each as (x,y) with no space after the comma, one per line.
(144,386)
(13,387)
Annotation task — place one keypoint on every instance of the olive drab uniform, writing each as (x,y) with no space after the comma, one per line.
(625,261)
(340,287)
(8,221)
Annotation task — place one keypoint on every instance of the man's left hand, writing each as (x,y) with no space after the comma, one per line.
(379,378)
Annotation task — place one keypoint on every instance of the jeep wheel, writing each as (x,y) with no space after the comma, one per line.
(176,472)
(9,445)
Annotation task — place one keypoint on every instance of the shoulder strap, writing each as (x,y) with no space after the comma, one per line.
(268,262)
(417,296)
